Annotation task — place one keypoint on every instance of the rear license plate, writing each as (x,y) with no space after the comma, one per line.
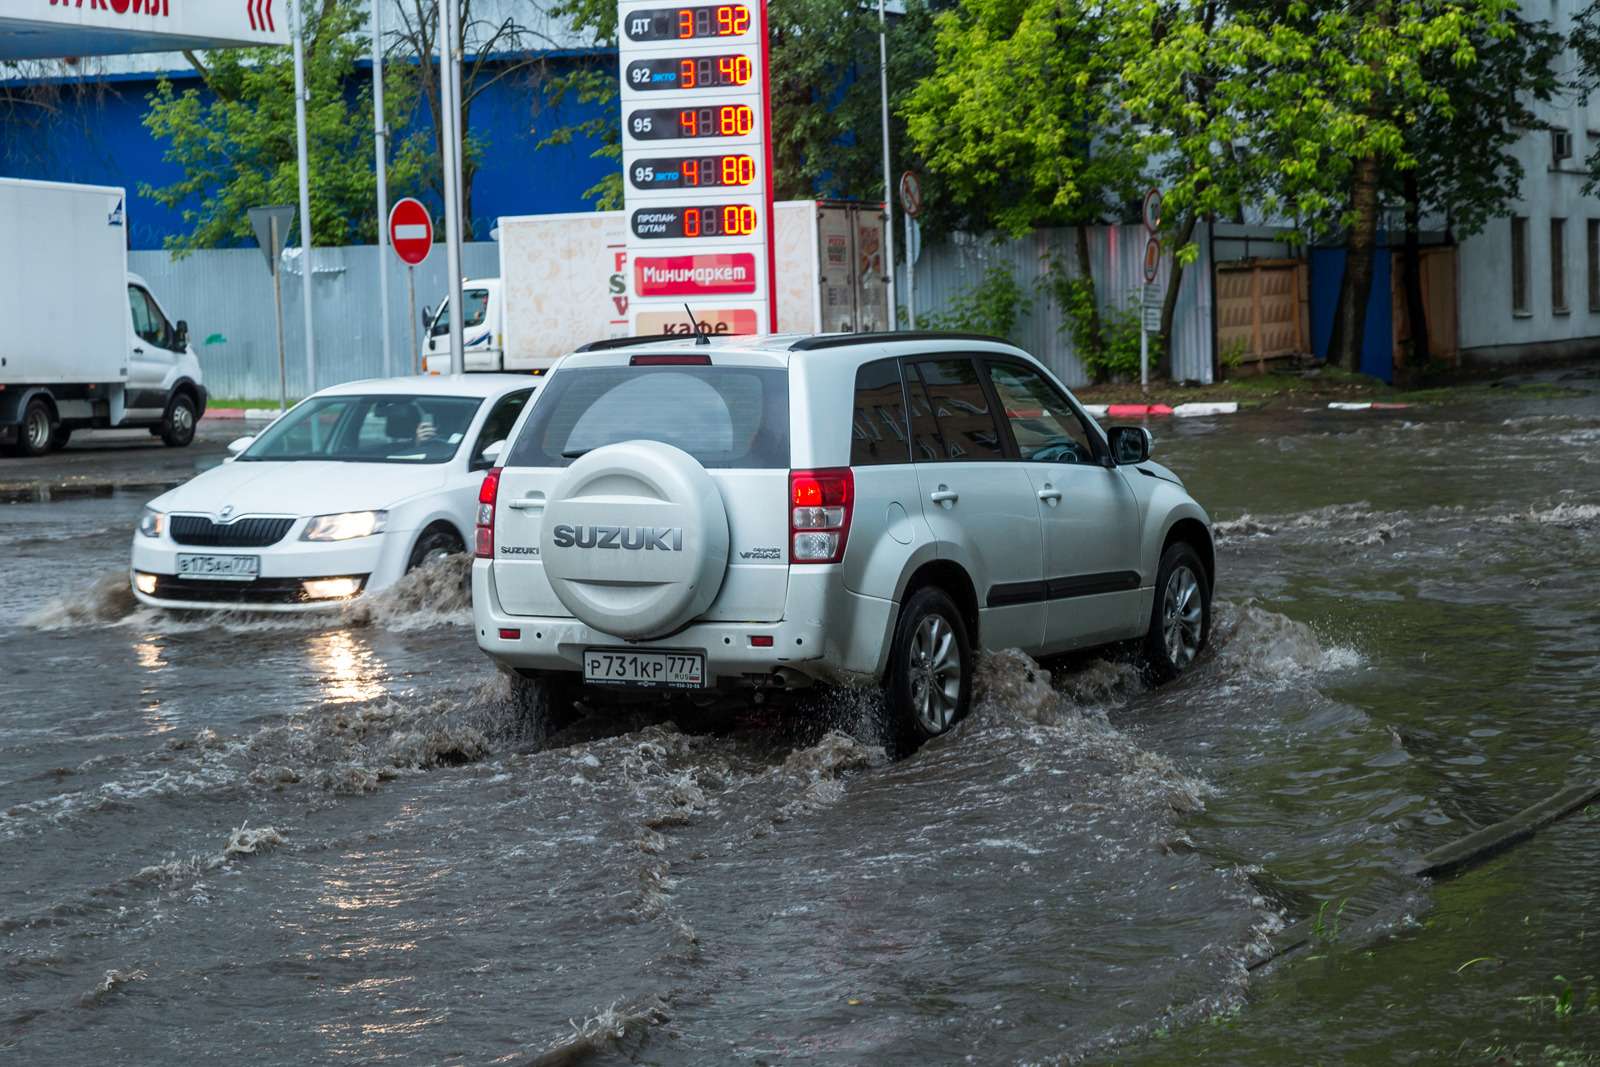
(669,670)
(219,568)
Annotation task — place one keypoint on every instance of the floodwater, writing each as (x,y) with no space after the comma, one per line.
(291,841)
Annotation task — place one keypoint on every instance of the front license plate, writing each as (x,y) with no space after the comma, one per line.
(219,568)
(670,670)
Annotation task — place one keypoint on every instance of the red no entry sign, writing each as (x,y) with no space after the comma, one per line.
(410,231)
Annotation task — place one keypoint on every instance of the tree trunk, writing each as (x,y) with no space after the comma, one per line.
(1350,322)
(1416,309)
(1169,302)
(1097,338)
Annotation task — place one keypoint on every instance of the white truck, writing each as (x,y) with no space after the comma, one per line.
(86,344)
(564,281)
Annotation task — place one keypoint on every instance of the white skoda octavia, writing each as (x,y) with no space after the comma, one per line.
(349,490)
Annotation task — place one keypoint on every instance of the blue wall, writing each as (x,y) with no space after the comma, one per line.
(1377,346)
(99,138)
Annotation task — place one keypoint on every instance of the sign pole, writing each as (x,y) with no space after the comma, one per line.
(277,303)
(911,276)
(298,17)
(1144,356)
(888,178)
(411,298)
(380,130)
(450,114)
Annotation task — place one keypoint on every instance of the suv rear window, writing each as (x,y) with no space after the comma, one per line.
(722,416)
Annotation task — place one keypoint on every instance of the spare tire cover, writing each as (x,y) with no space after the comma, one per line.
(635,539)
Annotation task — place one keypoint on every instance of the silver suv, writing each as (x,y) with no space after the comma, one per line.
(785,512)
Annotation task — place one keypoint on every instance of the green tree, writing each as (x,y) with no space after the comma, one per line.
(235,139)
(1020,122)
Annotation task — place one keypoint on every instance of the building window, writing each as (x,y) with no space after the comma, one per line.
(1558,266)
(1560,146)
(1594,264)
(1519,266)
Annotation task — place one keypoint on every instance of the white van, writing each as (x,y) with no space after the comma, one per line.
(483,330)
(86,345)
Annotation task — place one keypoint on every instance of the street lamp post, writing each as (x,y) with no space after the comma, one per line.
(380,131)
(450,121)
(888,180)
(297,29)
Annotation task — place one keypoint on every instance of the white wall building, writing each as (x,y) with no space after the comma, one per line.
(1529,284)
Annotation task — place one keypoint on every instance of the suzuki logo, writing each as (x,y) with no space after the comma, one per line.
(632,538)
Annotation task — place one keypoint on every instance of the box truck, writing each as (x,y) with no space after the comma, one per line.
(565,280)
(86,344)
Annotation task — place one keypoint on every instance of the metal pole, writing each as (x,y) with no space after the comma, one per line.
(450,114)
(888,180)
(297,22)
(380,131)
(1144,349)
(411,298)
(277,303)
(911,273)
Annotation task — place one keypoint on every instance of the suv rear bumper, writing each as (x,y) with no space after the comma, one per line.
(855,656)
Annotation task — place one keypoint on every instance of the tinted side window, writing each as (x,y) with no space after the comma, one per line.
(878,424)
(1044,425)
(497,427)
(950,415)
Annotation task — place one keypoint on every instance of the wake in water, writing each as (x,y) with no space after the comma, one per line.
(438,593)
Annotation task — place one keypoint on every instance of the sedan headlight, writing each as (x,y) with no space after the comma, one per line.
(152,522)
(345,526)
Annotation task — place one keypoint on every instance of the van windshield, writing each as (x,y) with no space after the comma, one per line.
(725,417)
(379,428)
(476,301)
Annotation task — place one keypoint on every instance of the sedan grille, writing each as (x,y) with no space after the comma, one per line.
(248,532)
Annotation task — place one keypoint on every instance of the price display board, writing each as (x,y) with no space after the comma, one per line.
(697,161)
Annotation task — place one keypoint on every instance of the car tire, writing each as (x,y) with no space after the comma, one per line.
(177,426)
(36,435)
(545,702)
(1180,616)
(434,544)
(929,684)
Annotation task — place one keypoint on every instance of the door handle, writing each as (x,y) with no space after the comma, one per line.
(944,495)
(1050,494)
(138,351)
(524,503)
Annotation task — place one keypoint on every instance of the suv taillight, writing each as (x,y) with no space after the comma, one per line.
(820,503)
(483,536)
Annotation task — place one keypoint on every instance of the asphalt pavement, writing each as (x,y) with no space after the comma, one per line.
(97,461)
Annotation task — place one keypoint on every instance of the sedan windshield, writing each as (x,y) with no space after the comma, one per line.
(382,428)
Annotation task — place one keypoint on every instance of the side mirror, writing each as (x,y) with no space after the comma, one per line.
(489,456)
(427,316)
(182,335)
(1130,444)
(239,444)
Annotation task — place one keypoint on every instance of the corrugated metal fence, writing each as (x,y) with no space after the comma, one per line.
(947,270)
(226,297)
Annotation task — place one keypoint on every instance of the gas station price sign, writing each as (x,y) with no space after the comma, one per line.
(672,123)
(686,23)
(696,72)
(709,221)
(696,149)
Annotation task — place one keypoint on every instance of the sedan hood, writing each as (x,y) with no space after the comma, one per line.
(301,487)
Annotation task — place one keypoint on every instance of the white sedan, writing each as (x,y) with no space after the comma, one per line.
(349,490)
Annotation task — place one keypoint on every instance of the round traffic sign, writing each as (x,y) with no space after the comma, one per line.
(410,231)
(1152,259)
(1152,210)
(911,193)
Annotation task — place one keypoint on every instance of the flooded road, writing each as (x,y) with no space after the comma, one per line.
(295,841)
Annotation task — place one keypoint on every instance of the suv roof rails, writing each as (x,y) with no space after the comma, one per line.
(842,340)
(627,342)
